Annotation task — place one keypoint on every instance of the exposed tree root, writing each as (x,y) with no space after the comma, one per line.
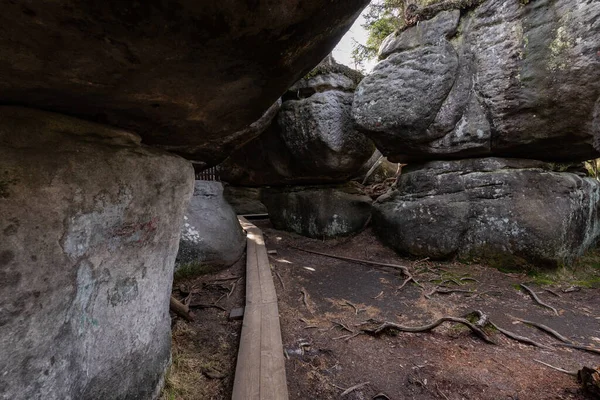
(537,299)
(426,328)
(519,338)
(545,329)
(445,291)
(353,388)
(579,347)
(564,371)
(484,320)
(402,268)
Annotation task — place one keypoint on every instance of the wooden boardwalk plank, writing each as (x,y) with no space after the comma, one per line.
(260,370)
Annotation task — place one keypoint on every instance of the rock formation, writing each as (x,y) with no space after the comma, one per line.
(504,79)
(211,236)
(90,218)
(188,76)
(313,139)
(508,211)
(323,211)
(89,229)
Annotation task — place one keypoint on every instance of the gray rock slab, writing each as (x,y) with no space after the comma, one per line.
(511,212)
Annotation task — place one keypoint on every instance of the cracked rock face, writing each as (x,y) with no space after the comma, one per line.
(324,211)
(89,230)
(504,79)
(211,235)
(508,212)
(188,76)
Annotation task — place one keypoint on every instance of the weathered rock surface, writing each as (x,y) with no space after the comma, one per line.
(211,235)
(314,138)
(89,230)
(505,79)
(189,76)
(318,211)
(508,211)
(244,200)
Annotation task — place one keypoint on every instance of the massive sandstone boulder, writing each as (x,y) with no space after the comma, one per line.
(211,236)
(314,138)
(505,79)
(508,211)
(89,230)
(323,211)
(189,76)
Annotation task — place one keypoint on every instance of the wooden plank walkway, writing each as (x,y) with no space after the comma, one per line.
(260,370)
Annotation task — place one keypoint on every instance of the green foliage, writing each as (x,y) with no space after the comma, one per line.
(383,17)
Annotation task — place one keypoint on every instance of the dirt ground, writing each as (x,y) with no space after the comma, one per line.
(325,303)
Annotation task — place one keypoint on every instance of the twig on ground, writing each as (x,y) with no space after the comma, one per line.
(356,310)
(233,285)
(426,328)
(343,326)
(220,298)
(353,336)
(379,295)
(579,347)
(545,329)
(440,392)
(402,268)
(353,388)
(280,280)
(573,373)
(305,300)
(537,299)
(468,278)
(552,292)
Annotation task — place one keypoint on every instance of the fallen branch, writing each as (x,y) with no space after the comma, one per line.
(445,291)
(280,280)
(353,388)
(402,268)
(426,328)
(537,299)
(545,329)
(180,309)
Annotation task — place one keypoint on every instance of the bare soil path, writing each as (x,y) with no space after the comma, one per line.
(324,304)
(324,299)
